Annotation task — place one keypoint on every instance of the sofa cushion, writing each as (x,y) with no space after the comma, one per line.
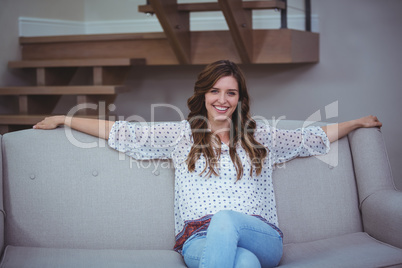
(352,250)
(51,257)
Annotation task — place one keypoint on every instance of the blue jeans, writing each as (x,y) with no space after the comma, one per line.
(236,240)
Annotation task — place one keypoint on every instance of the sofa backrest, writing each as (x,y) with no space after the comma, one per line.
(59,194)
(317,196)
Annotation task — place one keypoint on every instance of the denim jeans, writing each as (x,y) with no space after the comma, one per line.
(236,240)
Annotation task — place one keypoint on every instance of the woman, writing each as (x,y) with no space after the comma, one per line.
(225,212)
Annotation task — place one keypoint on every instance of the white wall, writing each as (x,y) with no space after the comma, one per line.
(360,66)
(106,10)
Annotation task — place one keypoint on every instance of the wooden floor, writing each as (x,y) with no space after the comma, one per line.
(61,90)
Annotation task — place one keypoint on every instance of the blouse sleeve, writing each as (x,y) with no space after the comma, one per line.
(285,145)
(146,140)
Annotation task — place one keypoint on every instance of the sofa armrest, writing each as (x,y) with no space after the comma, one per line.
(380,202)
(370,161)
(2,213)
(382,216)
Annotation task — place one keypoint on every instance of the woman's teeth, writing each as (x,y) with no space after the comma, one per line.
(221,108)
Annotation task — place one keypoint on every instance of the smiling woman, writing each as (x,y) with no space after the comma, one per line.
(225,208)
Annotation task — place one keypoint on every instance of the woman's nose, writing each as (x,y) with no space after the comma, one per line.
(222,97)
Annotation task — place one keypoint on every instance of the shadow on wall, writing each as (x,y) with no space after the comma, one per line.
(160,93)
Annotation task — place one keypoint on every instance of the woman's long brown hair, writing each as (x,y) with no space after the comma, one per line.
(242,126)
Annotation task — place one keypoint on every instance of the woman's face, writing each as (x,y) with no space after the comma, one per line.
(221,100)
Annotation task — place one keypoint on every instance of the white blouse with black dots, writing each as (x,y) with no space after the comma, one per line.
(197,195)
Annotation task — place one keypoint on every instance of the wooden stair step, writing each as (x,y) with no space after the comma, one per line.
(62,90)
(271,46)
(214,6)
(273,4)
(20,119)
(106,62)
(89,38)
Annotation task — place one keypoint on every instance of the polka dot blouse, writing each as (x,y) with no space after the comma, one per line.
(197,195)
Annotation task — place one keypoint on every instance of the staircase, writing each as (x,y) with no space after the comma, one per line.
(53,80)
(104,60)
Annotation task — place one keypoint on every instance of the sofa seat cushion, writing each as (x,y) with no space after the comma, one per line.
(52,257)
(352,250)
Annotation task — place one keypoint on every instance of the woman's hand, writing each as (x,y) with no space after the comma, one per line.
(368,121)
(50,122)
(337,131)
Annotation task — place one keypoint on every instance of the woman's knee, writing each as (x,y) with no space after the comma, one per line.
(222,221)
(223,215)
(246,259)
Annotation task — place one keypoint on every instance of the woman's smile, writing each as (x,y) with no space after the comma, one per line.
(221,109)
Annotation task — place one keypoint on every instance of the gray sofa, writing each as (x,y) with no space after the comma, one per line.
(71,201)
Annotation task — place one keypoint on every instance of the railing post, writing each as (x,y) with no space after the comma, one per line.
(284,16)
(307,8)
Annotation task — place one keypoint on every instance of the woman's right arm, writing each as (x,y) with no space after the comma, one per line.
(94,127)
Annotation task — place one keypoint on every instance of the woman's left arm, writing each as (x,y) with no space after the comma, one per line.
(337,131)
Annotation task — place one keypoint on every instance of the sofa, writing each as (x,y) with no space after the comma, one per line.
(69,200)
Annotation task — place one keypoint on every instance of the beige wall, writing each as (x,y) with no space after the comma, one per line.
(104,10)
(49,9)
(360,66)
(10,11)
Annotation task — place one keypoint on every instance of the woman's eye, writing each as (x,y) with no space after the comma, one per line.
(214,91)
(232,93)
